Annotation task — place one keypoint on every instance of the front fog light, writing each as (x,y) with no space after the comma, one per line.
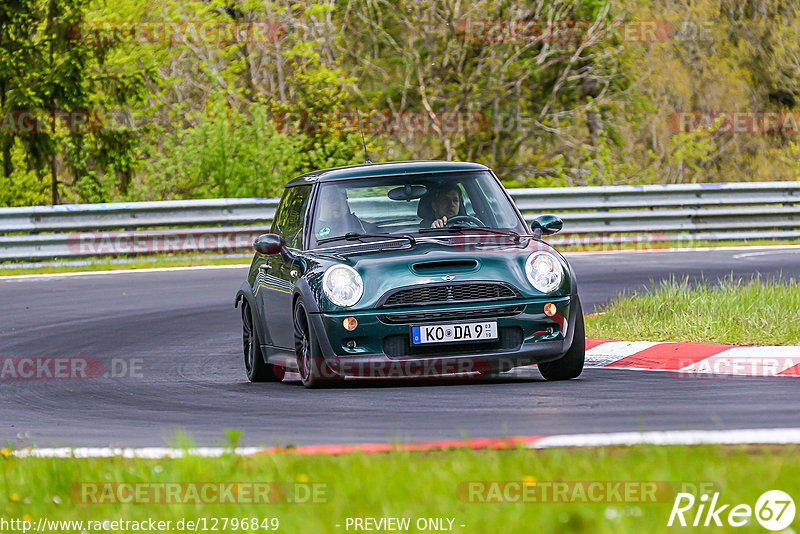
(342,285)
(544,271)
(550,309)
(350,323)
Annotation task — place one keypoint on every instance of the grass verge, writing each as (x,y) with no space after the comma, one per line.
(414,485)
(733,311)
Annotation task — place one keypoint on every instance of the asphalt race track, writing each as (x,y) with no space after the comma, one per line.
(182,335)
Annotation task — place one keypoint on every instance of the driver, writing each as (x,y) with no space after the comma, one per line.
(446,204)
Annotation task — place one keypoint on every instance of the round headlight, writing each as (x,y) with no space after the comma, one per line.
(342,285)
(544,271)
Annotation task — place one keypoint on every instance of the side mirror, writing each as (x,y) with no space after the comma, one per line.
(269,244)
(547,224)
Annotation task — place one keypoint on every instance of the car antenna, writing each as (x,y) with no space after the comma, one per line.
(366,156)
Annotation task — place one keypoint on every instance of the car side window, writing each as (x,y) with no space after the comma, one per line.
(290,215)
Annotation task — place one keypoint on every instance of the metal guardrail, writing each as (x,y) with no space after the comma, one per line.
(612,214)
(83,217)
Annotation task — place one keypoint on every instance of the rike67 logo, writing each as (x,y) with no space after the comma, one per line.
(774,511)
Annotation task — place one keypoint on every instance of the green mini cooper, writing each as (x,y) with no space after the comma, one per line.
(407,269)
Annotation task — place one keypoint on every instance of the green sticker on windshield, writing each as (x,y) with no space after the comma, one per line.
(324,231)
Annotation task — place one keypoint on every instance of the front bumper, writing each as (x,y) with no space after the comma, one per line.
(525,336)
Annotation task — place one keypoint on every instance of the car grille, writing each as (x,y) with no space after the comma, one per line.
(399,346)
(450,315)
(448,293)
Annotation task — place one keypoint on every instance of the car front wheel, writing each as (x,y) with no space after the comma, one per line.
(257,369)
(311,366)
(570,365)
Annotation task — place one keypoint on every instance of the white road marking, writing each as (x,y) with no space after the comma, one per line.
(673,437)
(122,452)
(14,277)
(768,248)
(764,253)
(781,436)
(613,351)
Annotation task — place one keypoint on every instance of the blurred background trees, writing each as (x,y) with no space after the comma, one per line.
(178,112)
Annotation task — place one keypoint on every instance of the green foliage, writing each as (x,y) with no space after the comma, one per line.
(47,69)
(598,161)
(317,116)
(228,154)
(415,485)
(186,118)
(684,159)
(23,187)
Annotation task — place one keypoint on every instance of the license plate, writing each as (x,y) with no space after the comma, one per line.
(448,333)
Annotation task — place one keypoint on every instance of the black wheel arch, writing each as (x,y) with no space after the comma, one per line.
(574,308)
(303,291)
(245,294)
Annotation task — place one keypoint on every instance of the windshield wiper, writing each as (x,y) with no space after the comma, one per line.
(462,227)
(357,236)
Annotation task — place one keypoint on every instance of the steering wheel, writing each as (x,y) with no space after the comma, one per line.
(461,219)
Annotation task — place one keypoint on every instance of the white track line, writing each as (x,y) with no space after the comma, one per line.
(612,351)
(764,253)
(142,452)
(669,437)
(673,437)
(681,249)
(123,271)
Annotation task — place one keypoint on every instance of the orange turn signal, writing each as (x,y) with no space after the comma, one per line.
(350,323)
(550,309)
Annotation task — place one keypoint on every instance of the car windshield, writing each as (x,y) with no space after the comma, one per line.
(398,205)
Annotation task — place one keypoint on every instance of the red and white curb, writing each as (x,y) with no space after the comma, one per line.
(776,436)
(702,359)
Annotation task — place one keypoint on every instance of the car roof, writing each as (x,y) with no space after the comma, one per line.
(391,168)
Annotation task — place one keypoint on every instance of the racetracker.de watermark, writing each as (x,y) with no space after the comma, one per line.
(42,121)
(464,368)
(69,368)
(737,363)
(529,490)
(525,31)
(386,122)
(735,122)
(179,31)
(158,241)
(199,493)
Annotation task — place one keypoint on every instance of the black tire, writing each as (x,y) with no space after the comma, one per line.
(311,366)
(570,365)
(254,365)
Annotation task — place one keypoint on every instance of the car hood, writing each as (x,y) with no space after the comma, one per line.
(437,260)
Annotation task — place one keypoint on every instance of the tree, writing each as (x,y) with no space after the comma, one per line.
(56,73)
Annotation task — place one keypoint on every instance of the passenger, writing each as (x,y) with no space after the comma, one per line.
(335,217)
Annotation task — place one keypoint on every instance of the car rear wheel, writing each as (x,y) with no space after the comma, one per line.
(311,366)
(255,366)
(570,365)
